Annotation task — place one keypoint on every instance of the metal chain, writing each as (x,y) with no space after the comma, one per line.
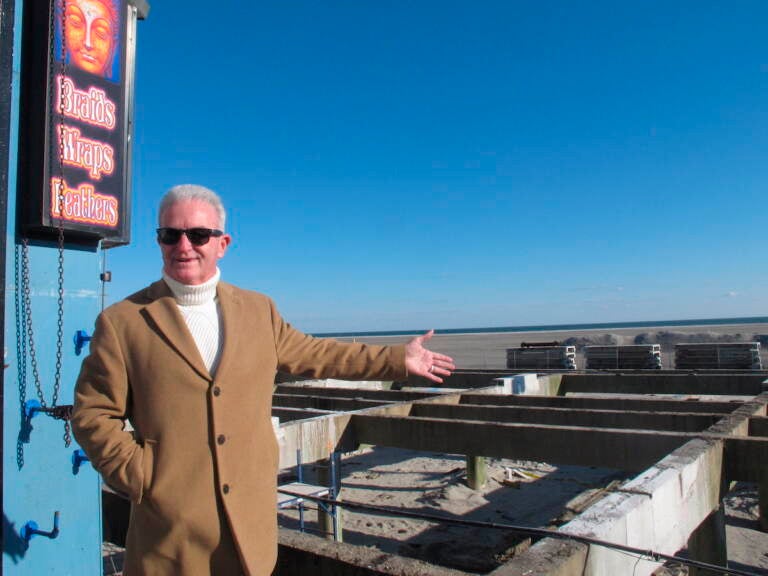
(62,412)
(60,334)
(60,199)
(21,354)
(27,306)
(58,412)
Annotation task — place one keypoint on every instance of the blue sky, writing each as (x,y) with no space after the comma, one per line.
(397,165)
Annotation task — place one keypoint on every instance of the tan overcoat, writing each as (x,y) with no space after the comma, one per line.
(202,464)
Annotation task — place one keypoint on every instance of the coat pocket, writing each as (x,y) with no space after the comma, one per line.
(147,467)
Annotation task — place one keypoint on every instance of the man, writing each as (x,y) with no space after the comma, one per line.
(190,361)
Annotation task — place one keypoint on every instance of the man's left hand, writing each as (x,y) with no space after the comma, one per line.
(425,363)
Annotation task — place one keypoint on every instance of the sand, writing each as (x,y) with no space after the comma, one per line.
(517,492)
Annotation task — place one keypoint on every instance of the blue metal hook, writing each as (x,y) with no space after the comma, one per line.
(80,339)
(31,409)
(78,457)
(30,529)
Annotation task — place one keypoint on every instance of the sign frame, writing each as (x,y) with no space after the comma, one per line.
(76,126)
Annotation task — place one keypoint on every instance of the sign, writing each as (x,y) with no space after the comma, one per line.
(77,70)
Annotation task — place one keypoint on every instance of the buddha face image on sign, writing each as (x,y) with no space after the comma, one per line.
(90,34)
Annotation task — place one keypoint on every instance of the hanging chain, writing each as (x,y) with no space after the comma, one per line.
(21,355)
(25,291)
(60,201)
(24,322)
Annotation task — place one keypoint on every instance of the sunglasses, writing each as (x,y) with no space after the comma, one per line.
(197,236)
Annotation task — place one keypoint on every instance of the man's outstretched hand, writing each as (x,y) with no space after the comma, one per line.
(425,363)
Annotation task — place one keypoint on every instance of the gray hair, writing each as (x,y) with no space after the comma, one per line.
(193,192)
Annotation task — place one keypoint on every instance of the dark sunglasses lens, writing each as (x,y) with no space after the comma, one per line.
(169,236)
(199,236)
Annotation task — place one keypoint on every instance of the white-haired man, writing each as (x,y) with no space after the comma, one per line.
(190,361)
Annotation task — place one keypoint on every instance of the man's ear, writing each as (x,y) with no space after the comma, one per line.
(224,241)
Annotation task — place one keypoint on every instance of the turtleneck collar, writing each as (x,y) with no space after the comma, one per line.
(188,295)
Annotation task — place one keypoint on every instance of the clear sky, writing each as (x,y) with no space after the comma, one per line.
(404,165)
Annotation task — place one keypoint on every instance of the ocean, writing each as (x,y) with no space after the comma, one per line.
(557,327)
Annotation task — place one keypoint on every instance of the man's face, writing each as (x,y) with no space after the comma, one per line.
(183,261)
(88,35)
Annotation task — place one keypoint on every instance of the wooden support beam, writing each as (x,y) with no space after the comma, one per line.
(622,449)
(675,421)
(477,472)
(693,406)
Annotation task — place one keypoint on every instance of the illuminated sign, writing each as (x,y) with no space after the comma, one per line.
(77,70)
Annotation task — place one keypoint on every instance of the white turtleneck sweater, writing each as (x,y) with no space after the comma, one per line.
(199,307)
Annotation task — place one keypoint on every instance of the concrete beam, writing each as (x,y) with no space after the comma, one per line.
(657,510)
(758,426)
(389,395)
(664,506)
(465,379)
(626,450)
(323,403)
(708,544)
(549,556)
(746,459)
(319,436)
(290,414)
(691,383)
(691,406)
(299,553)
(677,421)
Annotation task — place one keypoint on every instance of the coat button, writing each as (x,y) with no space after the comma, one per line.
(225,488)
(221,439)
(216,391)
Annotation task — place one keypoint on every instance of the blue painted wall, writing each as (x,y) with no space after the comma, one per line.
(38,476)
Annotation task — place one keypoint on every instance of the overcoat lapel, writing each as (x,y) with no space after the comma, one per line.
(168,320)
(233,317)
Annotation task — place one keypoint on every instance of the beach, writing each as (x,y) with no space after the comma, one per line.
(488,350)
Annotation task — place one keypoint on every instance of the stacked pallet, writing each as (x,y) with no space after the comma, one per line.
(542,358)
(724,356)
(635,357)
